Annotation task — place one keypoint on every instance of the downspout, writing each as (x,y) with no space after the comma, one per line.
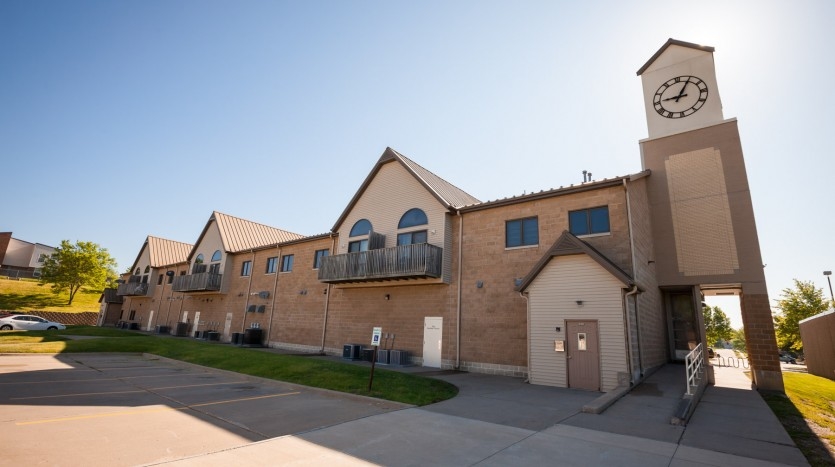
(634,291)
(528,309)
(327,298)
(275,290)
(248,290)
(458,304)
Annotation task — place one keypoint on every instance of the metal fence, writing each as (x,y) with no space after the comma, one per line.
(19,273)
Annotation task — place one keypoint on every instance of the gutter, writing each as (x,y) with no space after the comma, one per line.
(327,299)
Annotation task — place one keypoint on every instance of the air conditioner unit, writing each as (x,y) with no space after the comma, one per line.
(352,351)
(382,357)
(398,357)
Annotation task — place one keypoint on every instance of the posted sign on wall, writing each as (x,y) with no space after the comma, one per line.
(375,337)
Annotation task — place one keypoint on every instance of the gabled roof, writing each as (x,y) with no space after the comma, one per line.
(446,193)
(670,42)
(163,252)
(568,244)
(239,235)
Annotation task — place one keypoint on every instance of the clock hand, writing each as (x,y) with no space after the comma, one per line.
(681,93)
(674,97)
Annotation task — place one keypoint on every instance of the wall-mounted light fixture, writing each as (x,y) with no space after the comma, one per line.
(388,297)
(324,291)
(579,302)
(479,284)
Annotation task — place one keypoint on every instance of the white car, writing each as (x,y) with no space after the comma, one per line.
(28,323)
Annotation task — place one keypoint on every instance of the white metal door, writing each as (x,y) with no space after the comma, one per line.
(432,333)
(227,326)
(150,320)
(196,322)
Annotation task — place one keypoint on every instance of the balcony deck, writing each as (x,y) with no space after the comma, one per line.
(420,260)
(133,288)
(200,282)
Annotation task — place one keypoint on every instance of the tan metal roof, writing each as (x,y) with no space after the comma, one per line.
(446,193)
(240,234)
(164,252)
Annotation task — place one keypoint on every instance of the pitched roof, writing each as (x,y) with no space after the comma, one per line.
(163,252)
(670,42)
(568,244)
(239,235)
(446,193)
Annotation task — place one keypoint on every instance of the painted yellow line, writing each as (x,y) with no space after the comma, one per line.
(149,411)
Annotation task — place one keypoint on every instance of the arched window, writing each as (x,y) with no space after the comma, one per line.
(137,272)
(198,265)
(362,227)
(412,218)
(199,259)
(147,269)
(216,256)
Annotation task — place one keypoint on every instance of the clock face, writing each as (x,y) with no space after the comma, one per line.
(680,97)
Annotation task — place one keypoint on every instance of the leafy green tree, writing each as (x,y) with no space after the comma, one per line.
(717,325)
(72,267)
(738,340)
(797,304)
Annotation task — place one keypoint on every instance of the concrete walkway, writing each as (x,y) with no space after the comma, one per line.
(503,421)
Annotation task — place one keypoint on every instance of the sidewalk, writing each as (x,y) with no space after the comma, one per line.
(502,421)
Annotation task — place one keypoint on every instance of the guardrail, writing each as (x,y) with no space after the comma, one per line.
(694,362)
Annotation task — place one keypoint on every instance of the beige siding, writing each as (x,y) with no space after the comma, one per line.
(552,301)
(393,192)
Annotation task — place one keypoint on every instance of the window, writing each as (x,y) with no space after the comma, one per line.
(171,276)
(216,256)
(317,258)
(522,232)
(147,269)
(412,218)
(411,238)
(159,279)
(271,264)
(246,268)
(286,263)
(358,245)
(361,227)
(137,272)
(42,258)
(589,221)
(198,265)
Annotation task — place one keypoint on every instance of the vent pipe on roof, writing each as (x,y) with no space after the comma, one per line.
(586,176)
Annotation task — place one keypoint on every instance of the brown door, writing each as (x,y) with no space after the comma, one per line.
(583,355)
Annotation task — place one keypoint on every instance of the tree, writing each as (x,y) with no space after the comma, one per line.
(717,325)
(738,340)
(71,267)
(795,305)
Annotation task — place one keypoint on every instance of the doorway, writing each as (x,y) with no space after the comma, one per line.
(583,355)
(432,334)
(683,323)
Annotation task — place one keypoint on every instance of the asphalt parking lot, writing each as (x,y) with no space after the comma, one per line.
(126,409)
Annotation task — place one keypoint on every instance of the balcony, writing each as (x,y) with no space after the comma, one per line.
(416,261)
(133,287)
(200,282)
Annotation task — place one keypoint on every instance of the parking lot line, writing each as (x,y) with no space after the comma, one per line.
(148,411)
(55,396)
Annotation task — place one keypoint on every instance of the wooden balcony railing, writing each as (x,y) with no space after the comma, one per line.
(200,282)
(133,288)
(401,262)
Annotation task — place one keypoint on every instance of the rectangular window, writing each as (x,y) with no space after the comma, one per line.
(271,264)
(159,279)
(411,238)
(317,258)
(246,268)
(522,232)
(589,221)
(286,263)
(358,245)
(171,276)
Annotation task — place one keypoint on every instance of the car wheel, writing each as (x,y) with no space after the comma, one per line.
(6,327)
(51,328)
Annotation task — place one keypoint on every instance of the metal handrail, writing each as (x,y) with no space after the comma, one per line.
(694,364)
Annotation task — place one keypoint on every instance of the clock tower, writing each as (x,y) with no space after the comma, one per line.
(704,232)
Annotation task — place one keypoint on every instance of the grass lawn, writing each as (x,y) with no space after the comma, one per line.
(28,295)
(808,414)
(308,371)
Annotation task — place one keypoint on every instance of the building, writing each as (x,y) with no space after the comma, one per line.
(590,286)
(19,258)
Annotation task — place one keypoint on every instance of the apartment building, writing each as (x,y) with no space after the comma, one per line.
(589,286)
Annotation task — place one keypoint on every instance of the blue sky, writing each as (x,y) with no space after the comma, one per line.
(122,119)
